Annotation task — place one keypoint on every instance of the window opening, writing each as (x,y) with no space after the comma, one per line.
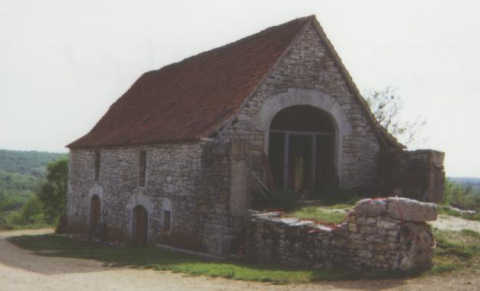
(143,167)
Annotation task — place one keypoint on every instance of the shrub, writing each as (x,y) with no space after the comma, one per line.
(460,196)
(30,213)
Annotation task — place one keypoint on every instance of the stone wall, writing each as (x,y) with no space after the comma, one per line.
(192,181)
(308,75)
(207,185)
(415,174)
(383,234)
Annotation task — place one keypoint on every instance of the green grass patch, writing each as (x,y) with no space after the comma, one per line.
(321,214)
(456,250)
(158,259)
(345,206)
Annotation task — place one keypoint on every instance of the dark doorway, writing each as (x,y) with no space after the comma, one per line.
(302,149)
(94,213)
(140,225)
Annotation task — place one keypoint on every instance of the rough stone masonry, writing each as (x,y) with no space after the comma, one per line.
(389,234)
(178,158)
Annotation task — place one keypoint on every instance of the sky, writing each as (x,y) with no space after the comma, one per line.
(63,63)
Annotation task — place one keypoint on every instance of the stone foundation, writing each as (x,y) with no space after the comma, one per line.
(378,234)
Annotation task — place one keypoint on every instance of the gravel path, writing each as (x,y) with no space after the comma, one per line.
(21,270)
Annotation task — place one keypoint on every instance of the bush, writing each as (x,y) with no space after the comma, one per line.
(463,197)
(53,192)
(31,213)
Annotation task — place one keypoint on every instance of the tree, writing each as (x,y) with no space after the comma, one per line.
(53,192)
(386,106)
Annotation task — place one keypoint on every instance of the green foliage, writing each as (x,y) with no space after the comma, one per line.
(31,163)
(54,191)
(14,182)
(21,175)
(465,197)
(30,213)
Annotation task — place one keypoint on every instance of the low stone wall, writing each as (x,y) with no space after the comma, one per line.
(378,234)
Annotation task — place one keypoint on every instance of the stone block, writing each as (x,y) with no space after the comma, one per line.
(370,207)
(411,210)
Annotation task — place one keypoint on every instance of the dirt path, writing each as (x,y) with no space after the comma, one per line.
(448,222)
(22,270)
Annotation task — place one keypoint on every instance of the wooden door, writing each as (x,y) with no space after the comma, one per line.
(140,225)
(94,212)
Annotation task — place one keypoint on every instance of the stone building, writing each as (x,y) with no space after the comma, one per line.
(177,159)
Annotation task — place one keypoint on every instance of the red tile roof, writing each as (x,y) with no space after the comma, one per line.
(188,100)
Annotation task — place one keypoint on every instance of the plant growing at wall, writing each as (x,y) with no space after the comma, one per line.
(387,105)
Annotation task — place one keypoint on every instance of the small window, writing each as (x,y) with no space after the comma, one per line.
(166,220)
(143,167)
(97,165)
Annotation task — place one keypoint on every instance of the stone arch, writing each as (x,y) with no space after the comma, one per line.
(316,99)
(139,199)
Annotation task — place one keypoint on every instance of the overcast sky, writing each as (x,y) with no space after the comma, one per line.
(62,63)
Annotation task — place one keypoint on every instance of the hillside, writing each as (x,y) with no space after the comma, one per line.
(467,182)
(31,163)
(20,174)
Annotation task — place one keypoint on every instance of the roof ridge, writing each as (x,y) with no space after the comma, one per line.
(308,20)
(382,134)
(235,42)
(208,89)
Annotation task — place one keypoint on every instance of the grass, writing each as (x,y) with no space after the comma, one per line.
(456,250)
(325,214)
(24,226)
(158,259)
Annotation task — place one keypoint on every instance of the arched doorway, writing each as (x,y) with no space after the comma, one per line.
(302,149)
(95,211)
(140,225)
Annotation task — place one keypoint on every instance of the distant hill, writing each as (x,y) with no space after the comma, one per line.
(31,163)
(467,181)
(20,173)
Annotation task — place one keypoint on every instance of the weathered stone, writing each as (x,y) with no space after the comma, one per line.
(411,210)
(370,207)
(196,193)
(352,227)
(379,242)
